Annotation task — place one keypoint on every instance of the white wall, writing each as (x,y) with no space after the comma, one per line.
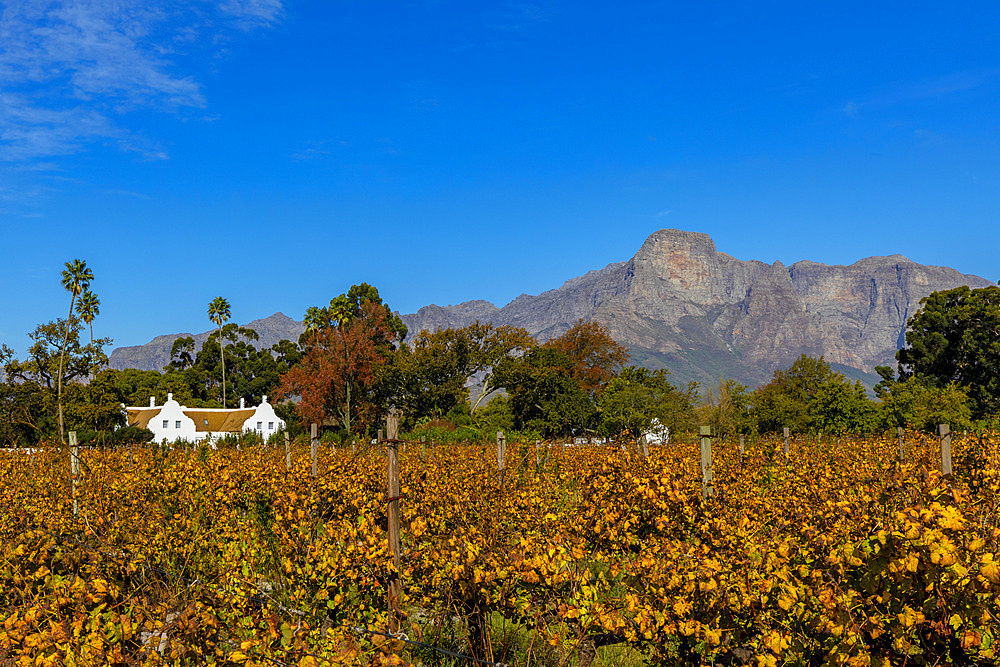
(178,425)
(264,416)
(181,427)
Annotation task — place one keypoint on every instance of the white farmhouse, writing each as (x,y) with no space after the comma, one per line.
(173,421)
(658,434)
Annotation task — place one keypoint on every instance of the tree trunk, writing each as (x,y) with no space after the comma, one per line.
(62,358)
(222,351)
(347,406)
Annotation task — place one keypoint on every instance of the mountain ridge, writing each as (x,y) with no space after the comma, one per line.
(681,304)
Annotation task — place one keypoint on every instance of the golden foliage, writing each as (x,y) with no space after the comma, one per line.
(838,554)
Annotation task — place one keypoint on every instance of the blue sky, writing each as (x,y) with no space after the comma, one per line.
(276,151)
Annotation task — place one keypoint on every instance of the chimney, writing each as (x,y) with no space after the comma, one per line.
(263,399)
(152,401)
(170,397)
(241,403)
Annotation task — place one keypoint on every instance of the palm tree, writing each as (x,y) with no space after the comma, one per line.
(76,279)
(341,310)
(218,312)
(315,319)
(88,308)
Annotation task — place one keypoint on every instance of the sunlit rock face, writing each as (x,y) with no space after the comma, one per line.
(680,303)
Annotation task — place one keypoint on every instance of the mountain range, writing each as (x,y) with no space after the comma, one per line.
(681,304)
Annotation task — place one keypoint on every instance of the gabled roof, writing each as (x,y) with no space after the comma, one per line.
(213,420)
(219,421)
(140,417)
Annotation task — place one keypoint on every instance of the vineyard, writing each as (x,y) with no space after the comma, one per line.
(835,554)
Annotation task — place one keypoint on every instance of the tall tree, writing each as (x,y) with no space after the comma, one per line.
(595,356)
(88,308)
(181,354)
(543,393)
(637,395)
(915,404)
(342,374)
(337,375)
(219,313)
(52,354)
(955,337)
(316,318)
(76,278)
(726,407)
(434,370)
(810,396)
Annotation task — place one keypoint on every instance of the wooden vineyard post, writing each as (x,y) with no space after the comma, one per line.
(423,448)
(784,433)
(378,436)
(743,450)
(392,489)
(538,453)
(74,468)
(819,438)
(354,445)
(644,446)
(706,461)
(501,450)
(899,436)
(288,452)
(944,430)
(313,446)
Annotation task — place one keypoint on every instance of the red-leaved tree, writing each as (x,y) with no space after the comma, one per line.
(595,356)
(337,374)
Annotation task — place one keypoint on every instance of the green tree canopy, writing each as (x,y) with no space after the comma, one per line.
(543,394)
(726,408)
(637,395)
(347,307)
(917,405)
(955,337)
(434,370)
(251,373)
(30,399)
(810,397)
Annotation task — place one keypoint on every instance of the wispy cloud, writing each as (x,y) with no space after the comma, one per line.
(911,92)
(253,12)
(316,149)
(71,70)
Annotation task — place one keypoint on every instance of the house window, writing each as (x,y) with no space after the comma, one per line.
(177,424)
(166,423)
(270,426)
(206,422)
(260,426)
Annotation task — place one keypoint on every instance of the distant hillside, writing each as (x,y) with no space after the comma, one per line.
(681,304)
(155,354)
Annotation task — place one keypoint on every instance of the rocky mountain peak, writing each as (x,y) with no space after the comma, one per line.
(679,303)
